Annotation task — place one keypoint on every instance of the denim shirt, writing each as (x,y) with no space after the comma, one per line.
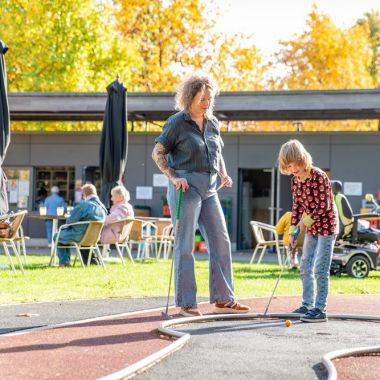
(189,148)
(90,209)
(52,202)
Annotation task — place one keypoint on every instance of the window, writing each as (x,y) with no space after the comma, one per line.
(18,187)
(48,176)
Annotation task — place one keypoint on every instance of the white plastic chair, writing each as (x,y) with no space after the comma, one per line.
(263,244)
(142,234)
(166,241)
(123,242)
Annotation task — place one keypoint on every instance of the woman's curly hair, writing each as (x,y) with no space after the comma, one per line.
(190,87)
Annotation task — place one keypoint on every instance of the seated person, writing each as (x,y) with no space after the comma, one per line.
(346,216)
(51,203)
(282,228)
(90,208)
(121,209)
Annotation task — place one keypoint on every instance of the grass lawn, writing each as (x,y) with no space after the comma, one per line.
(150,278)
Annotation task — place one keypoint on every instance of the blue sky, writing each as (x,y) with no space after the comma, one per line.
(271,20)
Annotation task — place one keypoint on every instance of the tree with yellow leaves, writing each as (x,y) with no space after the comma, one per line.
(176,36)
(372,22)
(327,57)
(63,45)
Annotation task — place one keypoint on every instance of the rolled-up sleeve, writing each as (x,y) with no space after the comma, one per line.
(221,142)
(168,137)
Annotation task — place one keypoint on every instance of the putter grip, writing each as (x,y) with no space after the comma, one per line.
(179,204)
(298,230)
(295,237)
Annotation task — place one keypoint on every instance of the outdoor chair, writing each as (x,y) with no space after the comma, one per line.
(142,233)
(15,220)
(166,242)
(123,241)
(20,240)
(89,242)
(263,243)
(161,234)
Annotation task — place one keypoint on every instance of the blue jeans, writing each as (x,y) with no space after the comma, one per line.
(49,227)
(316,259)
(67,236)
(200,205)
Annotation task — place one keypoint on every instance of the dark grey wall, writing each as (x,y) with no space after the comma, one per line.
(352,157)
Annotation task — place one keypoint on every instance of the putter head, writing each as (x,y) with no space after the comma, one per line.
(165,316)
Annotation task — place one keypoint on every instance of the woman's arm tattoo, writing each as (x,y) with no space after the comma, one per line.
(159,157)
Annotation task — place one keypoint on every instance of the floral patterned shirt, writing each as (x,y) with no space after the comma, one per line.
(313,202)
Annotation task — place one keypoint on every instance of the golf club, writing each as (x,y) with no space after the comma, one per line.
(165,314)
(282,271)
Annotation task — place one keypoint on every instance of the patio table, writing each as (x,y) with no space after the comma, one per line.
(54,219)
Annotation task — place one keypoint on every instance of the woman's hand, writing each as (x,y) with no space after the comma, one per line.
(227,181)
(180,183)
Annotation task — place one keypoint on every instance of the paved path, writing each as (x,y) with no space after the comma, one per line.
(15,317)
(219,350)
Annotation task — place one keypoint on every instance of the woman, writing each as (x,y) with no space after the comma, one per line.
(313,211)
(189,152)
(120,209)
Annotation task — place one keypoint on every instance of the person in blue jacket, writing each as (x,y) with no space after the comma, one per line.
(51,203)
(90,208)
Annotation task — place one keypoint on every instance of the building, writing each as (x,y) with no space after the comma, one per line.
(71,158)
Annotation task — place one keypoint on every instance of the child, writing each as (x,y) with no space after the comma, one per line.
(283,228)
(315,213)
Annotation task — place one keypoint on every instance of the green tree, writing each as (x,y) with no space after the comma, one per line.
(168,35)
(372,22)
(63,45)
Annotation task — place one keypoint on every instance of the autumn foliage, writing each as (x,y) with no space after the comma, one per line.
(70,45)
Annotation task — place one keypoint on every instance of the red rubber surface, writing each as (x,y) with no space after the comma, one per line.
(94,349)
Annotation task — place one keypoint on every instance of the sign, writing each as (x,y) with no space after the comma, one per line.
(160,180)
(23,187)
(144,192)
(353,188)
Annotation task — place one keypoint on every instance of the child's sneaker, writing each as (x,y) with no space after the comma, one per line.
(301,310)
(192,311)
(231,308)
(314,315)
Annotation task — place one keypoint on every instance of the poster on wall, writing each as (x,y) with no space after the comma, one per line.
(160,180)
(353,188)
(13,196)
(144,192)
(23,187)
(13,190)
(12,184)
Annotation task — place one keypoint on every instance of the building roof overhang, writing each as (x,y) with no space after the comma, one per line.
(260,105)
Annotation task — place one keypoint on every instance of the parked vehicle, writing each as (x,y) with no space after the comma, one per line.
(358,253)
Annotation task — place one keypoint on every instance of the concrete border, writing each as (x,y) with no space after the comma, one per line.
(327,359)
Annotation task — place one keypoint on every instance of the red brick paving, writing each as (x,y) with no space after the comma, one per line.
(358,367)
(95,349)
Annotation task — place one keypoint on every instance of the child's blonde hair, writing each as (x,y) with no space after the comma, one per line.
(293,152)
